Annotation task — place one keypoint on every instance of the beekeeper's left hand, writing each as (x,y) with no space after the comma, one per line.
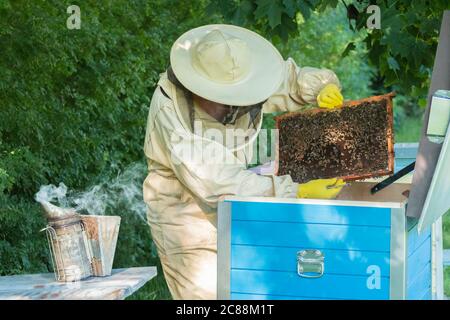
(320,188)
(330,97)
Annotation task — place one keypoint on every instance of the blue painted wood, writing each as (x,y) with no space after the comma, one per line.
(415,239)
(252,296)
(404,155)
(290,284)
(265,238)
(418,278)
(416,289)
(311,213)
(446,257)
(404,161)
(285,259)
(406,150)
(427,295)
(401,163)
(411,223)
(313,236)
(418,260)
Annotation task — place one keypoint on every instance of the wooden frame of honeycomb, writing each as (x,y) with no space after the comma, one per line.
(353,142)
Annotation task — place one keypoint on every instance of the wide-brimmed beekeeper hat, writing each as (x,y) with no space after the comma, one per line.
(227,64)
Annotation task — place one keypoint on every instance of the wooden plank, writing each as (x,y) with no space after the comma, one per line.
(289,283)
(309,213)
(362,191)
(421,285)
(418,260)
(122,283)
(284,259)
(311,236)
(223,250)
(322,202)
(415,240)
(427,295)
(253,296)
(437,267)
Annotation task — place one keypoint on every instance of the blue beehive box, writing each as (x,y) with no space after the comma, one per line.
(359,246)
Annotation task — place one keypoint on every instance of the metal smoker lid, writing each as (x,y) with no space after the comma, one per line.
(429,198)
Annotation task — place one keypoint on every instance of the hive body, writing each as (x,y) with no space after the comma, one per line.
(368,248)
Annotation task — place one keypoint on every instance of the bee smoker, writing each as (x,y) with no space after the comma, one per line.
(69,248)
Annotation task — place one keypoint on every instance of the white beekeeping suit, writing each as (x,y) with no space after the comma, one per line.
(182,190)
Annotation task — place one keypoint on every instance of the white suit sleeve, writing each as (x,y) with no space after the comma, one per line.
(299,88)
(207,168)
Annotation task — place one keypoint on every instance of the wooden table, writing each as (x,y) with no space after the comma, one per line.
(121,284)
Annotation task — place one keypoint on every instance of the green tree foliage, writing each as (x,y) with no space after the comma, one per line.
(320,41)
(73,105)
(402,50)
(75,101)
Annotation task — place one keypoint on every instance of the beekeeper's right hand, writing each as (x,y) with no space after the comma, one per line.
(320,189)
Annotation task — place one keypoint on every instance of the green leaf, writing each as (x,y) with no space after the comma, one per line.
(227,8)
(270,9)
(350,47)
(393,64)
(243,12)
(305,9)
(5,4)
(291,7)
(327,3)
(352,12)
(422,102)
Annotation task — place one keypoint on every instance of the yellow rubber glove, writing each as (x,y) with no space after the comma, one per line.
(330,97)
(320,188)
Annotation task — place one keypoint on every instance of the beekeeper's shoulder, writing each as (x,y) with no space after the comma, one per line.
(162,100)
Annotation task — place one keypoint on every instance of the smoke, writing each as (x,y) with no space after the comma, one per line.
(51,193)
(122,192)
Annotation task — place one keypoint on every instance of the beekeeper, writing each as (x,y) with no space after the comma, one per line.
(221,79)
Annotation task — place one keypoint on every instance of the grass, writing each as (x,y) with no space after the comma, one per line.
(409,131)
(446,230)
(446,245)
(447,281)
